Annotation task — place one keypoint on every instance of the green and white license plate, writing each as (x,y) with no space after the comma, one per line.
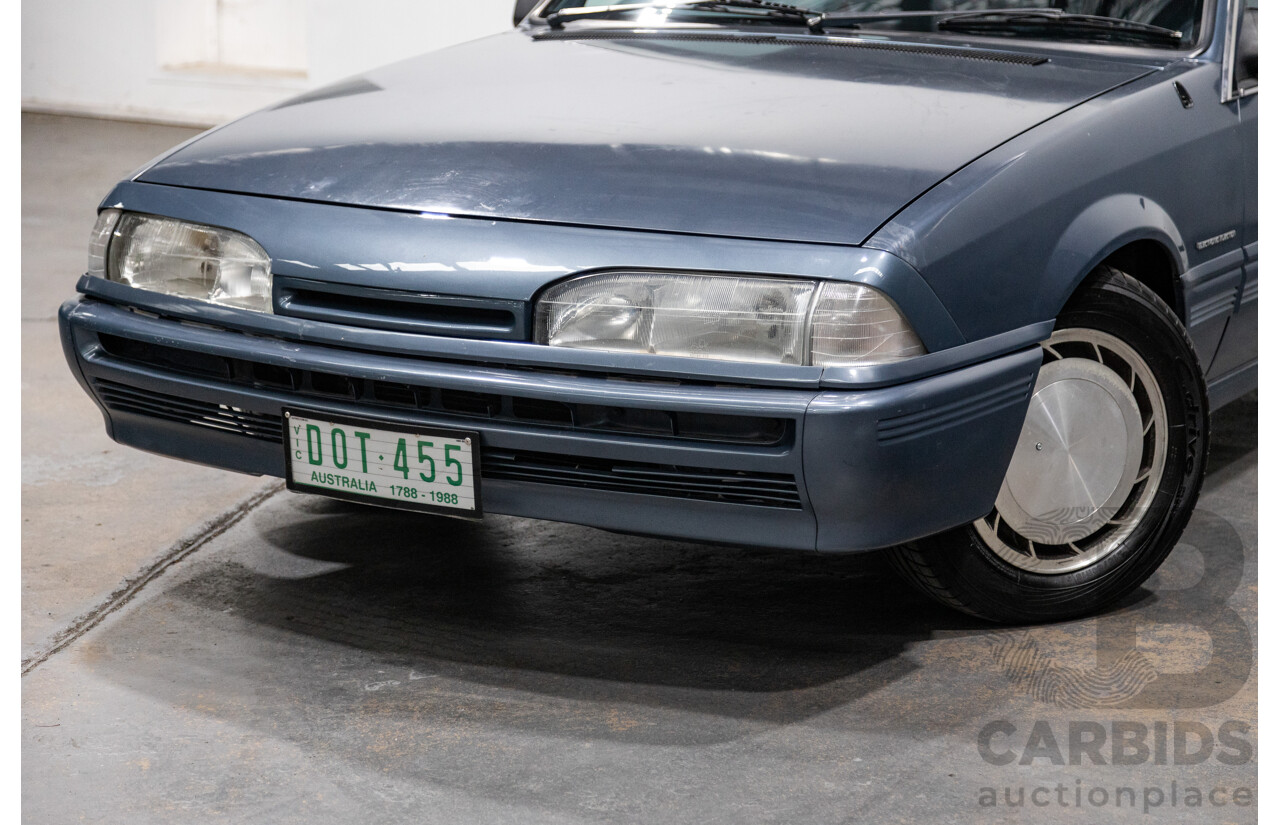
(423,469)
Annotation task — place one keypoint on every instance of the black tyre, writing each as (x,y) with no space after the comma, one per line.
(1105,474)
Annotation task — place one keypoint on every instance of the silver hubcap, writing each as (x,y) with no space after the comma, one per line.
(1088,461)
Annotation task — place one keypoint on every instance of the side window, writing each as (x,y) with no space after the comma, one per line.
(1246,69)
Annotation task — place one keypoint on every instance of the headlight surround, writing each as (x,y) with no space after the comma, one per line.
(185,259)
(726,317)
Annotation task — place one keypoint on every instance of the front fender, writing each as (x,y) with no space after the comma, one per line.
(1005,241)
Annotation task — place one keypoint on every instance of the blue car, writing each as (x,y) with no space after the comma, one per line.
(959,280)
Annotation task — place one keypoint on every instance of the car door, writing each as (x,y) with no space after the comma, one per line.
(1238,352)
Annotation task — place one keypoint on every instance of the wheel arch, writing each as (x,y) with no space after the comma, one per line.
(1130,232)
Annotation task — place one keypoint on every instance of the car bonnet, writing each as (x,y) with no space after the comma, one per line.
(789,138)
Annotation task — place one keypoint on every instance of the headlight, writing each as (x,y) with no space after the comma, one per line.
(185,259)
(763,320)
(703,316)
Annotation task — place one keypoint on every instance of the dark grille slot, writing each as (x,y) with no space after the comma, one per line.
(328,384)
(187,411)
(684,475)
(623,419)
(746,429)
(543,412)
(726,486)
(471,403)
(196,363)
(387,393)
(428,398)
(398,311)
(271,376)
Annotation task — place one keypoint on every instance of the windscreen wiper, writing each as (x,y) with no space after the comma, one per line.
(751,9)
(854,20)
(1058,23)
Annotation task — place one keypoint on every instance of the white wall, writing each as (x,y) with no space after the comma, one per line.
(206,61)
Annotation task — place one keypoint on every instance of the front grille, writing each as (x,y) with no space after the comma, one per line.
(401,310)
(712,427)
(698,483)
(667,480)
(221,417)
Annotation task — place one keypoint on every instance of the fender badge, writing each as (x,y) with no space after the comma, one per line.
(1216,239)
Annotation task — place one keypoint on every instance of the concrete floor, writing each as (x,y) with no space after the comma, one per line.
(316,661)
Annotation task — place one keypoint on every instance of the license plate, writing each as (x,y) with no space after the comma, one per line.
(419,469)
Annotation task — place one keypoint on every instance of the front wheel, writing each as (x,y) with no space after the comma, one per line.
(1104,476)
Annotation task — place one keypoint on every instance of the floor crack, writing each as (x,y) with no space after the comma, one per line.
(134,584)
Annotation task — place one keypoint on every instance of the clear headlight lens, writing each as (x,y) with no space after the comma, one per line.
(100,240)
(188,260)
(729,318)
(702,316)
(855,324)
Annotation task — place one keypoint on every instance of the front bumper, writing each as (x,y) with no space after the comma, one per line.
(800,468)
